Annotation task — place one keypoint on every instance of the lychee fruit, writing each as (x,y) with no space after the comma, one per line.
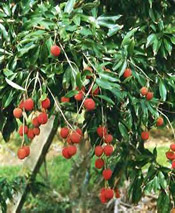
(159,121)
(108,138)
(55,50)
(98,151)
(42,118)
(173,164)
(107,173)
(145,135)
(75,137)
(64,132)
(27,149)
(109,193)
(79,131)
(89,104)
(95,92)
(45,103)
(21,153)
(65,100)
(17,112)
(117,193)
(172,147)
(127,73)
(21,105)
(36,131)
(108,150)
(22,129)
(35,122)
(29,104)
(149,96)
(30,134)
(101,131)
(99,163)
(65,153)
(170,155)
(72,150)
(144,91)
(79,96)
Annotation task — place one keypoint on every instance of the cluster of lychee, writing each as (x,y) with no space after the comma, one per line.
(89,103)
(171,155)
(72,138)
(105,150)
(107,194)
(31,130)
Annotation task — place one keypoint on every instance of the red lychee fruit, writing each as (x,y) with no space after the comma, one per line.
(65,100)
(95,92)
(173,164)
(72,150)
(98,151)
(145,135)
(75,137)
(107,173)
(108,138)
(27,149)
(68,139)
(65,153)
(22,129)
(21,105)
(30,134)
(102,196)
(109,193)
(17,112)
(108,150)
(36,131)
(144,91)
(64,132)
(29,104)
(79,131)
(127,73)
(101,131)
(117,193)
(35,122)
(21,153)
(42,118)
(89,104)
(99,163)
(172,147)
(46,103)
(149,96)
(55,50)
(159,121)
(79,96)
(170,155)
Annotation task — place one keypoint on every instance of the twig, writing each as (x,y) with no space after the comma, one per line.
(168,122)
(59,108)
(140,70)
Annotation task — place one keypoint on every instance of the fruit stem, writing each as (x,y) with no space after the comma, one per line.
(59,108)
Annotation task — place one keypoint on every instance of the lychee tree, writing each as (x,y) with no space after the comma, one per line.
(106,69)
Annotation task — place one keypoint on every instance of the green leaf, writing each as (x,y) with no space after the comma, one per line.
(123,130)
(168,46)
(103,84)
(163,203)
(14,85)
(123,68)
(69,6)
(150,39)
(162,180)
(78,80)
(71,93)
(113,30)
(162,91)
(109,18)
(128,36)
(4,32)
(108,77)
(109,100)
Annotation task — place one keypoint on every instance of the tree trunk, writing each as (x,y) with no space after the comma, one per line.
(32,164)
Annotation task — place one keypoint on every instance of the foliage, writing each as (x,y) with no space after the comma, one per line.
(135,34)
